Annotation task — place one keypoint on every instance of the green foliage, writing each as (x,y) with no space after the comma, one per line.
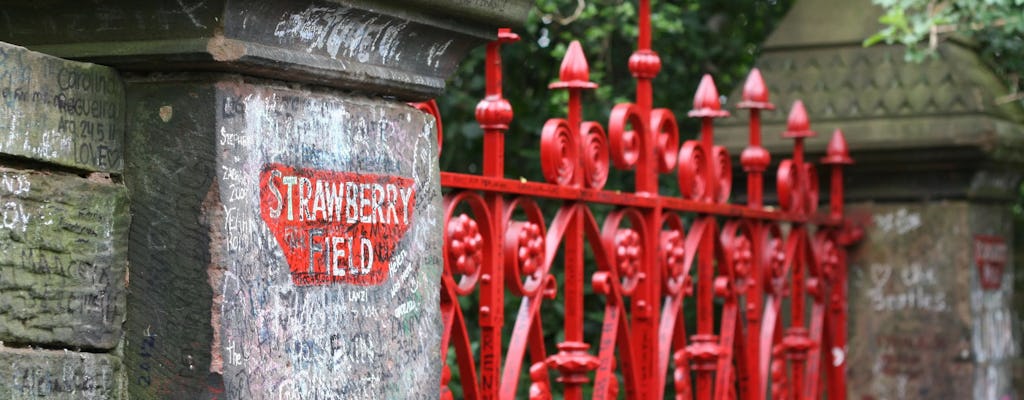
(995,26)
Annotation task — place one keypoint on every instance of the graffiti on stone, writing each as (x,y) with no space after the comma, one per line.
(325,29)
(58,374)
(60,111)
(326,251)
(914,287)
(63,275)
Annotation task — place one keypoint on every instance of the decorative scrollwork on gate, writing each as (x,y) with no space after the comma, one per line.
(764,287)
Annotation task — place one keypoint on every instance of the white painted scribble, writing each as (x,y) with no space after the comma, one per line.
(916,288)
(13,215)
(286,341)
(189,12)
(899,222)
(436,52)
(343,32)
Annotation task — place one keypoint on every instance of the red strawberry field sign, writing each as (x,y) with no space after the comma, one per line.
(336,227)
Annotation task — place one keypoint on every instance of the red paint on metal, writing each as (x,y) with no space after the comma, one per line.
(430,108)
(336,227)
(990,257)
(777,275)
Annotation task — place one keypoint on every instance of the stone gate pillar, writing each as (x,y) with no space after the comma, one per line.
(938,164)
(63,228)
(286,225)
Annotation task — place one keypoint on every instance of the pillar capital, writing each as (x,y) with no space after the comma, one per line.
(398,49)
(918,130)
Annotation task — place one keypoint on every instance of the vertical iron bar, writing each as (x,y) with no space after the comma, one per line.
(755,160)
(493,113)
(705,312)
(836,156)
(574,279)
(644,64)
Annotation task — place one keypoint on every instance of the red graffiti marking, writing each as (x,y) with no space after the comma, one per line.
(990,256)
(336,227)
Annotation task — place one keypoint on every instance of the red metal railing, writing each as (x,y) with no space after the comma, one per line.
(778,275)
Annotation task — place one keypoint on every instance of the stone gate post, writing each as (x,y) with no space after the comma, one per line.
(285,200)
(939,161)
(63,227)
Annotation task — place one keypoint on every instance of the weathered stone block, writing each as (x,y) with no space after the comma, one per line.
(398,48)
(922,326)
(63,257)
(293,232)
(65,112)
(59,375)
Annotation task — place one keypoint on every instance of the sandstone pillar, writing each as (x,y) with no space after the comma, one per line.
(285,240)
(63,228)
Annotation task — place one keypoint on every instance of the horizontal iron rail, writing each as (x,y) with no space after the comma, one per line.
(454,180)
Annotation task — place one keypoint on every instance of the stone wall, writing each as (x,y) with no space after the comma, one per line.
(926,320)
(63,242)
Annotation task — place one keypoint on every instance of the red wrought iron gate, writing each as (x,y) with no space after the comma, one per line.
(769,284)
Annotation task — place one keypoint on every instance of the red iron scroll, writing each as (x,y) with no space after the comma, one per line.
(768,284)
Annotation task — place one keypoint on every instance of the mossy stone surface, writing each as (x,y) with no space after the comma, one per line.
(59,375)
(63,259)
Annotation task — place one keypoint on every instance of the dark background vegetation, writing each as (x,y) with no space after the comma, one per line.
(692,38)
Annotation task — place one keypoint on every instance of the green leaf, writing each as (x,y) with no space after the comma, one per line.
(874,39)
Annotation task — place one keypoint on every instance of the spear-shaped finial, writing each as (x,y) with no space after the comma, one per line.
(836,155)
(798,126)
(494,112)
(707,107)
(755,159)
(575,72)
(755,93)
(837,152)
(705,102)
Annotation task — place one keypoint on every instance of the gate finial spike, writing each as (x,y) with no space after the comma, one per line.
(837,152)
(705,102)
(798,126)
(574,73)
(755,93)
